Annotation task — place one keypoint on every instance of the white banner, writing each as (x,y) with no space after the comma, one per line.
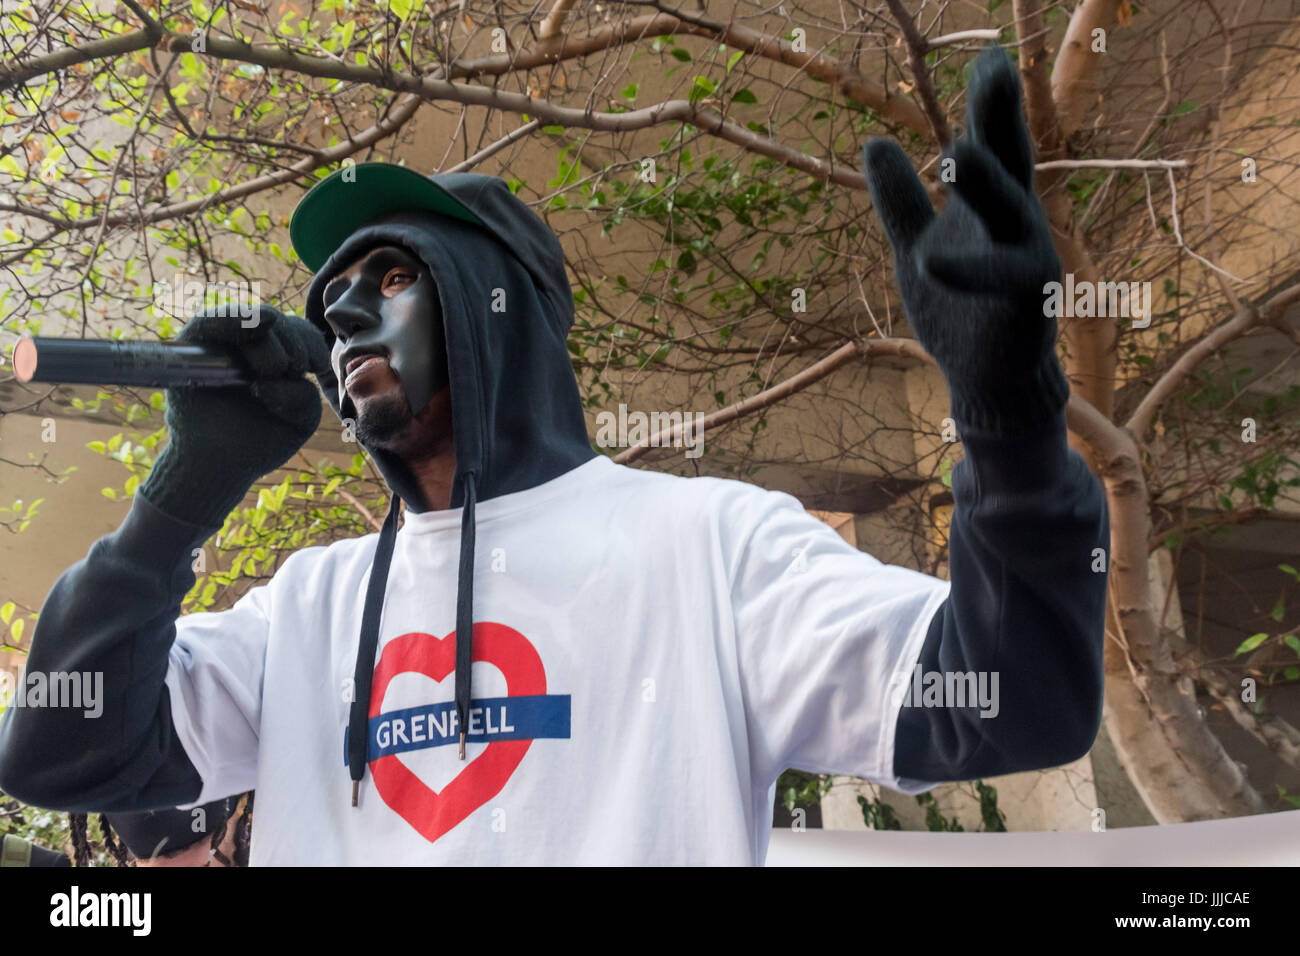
(1271,839)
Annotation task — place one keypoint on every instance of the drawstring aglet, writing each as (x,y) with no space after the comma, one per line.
(356,785)
(462,744)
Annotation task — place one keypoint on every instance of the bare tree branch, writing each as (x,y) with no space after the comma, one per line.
(917,48)
(325,157)
(1246,318)
(1076,63)
(19,73)
(554,21)
(961,37)
(502,143)
(795,383)
(1113,164)
(1039,105)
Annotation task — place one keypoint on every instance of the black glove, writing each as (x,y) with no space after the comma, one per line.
(972,278)
(224,439)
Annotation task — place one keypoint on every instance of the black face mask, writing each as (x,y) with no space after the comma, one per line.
(406,326)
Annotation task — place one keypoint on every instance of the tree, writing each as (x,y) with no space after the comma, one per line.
(703,171)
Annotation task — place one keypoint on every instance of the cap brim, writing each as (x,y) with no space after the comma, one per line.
(357,195)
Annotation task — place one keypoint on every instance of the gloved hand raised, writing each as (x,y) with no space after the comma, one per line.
(972,278)
(221,440)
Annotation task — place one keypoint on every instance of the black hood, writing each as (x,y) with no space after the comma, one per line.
(516,412)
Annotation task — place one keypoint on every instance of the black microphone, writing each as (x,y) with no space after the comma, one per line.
(140,364)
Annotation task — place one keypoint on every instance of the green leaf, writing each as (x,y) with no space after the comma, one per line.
(1292,642)
(1250,643)
(6,611)
(680,54)
(745,96)
(703,87)
(628,93)
(16,628)
(97,446)
(734,59)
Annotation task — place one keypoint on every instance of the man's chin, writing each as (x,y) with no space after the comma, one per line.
(382,420)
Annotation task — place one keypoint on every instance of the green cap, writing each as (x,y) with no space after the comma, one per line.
(356,196)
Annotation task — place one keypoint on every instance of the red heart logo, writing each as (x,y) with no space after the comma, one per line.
(433,813)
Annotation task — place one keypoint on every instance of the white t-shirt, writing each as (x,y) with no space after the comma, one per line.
(650,653)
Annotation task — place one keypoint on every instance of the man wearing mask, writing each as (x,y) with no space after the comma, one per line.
(638,639)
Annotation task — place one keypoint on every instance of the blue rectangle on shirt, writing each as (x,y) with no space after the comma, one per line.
(490,719)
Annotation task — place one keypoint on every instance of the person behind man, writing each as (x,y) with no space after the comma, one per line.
(203,836)
(647,652)
(19,851)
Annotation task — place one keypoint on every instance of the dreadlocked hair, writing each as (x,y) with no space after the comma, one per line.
(114,846)
(215,843)
(81,848)
(244,831)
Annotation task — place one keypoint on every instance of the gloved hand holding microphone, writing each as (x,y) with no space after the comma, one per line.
(223,439)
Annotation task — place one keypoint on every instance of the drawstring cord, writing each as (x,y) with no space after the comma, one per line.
(359,720)
(465,609)
(363,675)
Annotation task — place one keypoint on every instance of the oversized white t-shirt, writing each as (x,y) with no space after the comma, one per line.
(650,653)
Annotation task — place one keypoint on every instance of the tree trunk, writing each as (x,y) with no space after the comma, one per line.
(1175,762)
(1177,765)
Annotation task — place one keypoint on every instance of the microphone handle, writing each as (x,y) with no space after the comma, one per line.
(138,364)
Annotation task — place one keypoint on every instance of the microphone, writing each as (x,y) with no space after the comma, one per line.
(140,364)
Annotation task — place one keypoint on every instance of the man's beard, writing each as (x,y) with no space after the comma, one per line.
(383,421)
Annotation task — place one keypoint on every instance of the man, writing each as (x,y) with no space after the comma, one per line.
(648,652)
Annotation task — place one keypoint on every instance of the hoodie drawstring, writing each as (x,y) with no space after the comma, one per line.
(359,718)
(363,675)
(465,609)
